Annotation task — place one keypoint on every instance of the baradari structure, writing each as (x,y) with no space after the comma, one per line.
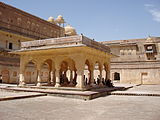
(138,60)
(71,61)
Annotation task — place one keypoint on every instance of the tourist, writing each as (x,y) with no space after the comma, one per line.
(86,81)
(0,78)
(98,81)
(94,81)
(108,83)
(103,81)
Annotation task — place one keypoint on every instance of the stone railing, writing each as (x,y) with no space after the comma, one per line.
(53,41)
(65,41)
(95,44)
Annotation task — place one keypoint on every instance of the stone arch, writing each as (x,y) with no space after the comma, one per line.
(70,62)
(31,60)
(5,76)
(67,72)
(48,71)
(31,72)
(44,72)
(50,63)
(87,72)
(97,72)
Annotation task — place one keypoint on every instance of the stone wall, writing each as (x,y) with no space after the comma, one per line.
(17,26)
(19,22)
(133,65)
(138,76)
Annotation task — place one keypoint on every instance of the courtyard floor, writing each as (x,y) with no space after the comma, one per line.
(104,108)
(112,107)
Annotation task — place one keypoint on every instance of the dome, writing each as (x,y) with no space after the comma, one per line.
(69,30)
(51,19)
(60,20)
(149,38)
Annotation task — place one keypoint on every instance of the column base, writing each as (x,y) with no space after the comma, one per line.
(21,84)
(52,82)
(57,85)
(49,82)
(39,84)
(81,87)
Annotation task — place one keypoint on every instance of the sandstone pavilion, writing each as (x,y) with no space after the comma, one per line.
(72,62)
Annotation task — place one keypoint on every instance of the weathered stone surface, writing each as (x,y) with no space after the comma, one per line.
(104,108)
(19,22)
(136,64)
(77,40)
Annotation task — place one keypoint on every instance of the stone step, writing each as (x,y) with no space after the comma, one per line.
(85,95)
(21,96)
(134,94)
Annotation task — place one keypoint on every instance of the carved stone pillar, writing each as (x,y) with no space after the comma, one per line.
(49,78)
(75,77)
(108,72)
(39,75)
(52,74)
(80,72)
(80,77)
(92,77)
(100,82)
(21,79)
(71,78)
(106,77)
(57,78)
(22,74)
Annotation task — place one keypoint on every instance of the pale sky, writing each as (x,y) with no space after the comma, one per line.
(102,20)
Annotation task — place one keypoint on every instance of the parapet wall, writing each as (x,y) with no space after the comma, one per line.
(77,40)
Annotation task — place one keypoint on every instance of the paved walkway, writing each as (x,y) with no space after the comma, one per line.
(104,108)
(10,95)
(111,107)
(128,89)
(143,90)
(125,85)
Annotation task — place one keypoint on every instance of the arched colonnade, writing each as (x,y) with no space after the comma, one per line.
(66,72)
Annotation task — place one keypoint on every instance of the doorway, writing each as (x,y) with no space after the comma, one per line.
(116,76)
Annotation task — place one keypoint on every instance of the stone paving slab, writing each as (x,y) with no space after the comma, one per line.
(142,90)
(10,95)
(126,86)
(104,108)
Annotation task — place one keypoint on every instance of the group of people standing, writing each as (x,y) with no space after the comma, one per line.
(0,78)
(106,82)
(64,80)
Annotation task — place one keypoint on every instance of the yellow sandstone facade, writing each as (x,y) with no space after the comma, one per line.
(138,61)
